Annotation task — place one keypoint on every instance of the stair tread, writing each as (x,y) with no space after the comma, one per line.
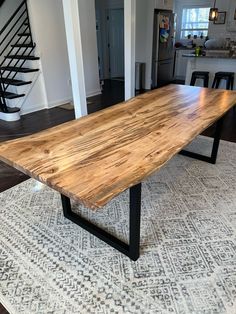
(9,95)
(21,70)
(22,57)
(24,34)
(11,110)
(15,82)
(23,45)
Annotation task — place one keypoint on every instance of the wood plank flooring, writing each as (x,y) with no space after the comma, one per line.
(34,122)
(3,310)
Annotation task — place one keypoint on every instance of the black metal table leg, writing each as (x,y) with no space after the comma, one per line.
(213,157)
(134,221)
(131,249)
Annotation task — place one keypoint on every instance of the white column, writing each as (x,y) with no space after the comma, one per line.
(130,25)
(74,45)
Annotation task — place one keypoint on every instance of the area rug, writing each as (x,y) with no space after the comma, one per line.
(188,246)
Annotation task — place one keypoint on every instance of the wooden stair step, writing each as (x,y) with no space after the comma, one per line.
(20,70)
(9,95)
(22,57)
(11,110)
(23,45)
(23,34)
(14,82)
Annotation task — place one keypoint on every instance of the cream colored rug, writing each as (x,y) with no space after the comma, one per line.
(188,246)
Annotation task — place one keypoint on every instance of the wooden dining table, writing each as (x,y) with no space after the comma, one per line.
(95,158)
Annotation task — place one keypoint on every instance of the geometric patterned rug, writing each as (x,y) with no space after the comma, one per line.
(188,246)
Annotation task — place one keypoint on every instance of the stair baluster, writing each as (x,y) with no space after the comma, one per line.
(16,34)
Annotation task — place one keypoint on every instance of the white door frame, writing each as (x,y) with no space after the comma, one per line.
(74,44)
(130,28)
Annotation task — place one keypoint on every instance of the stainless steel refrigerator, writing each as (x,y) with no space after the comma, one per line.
(163,48)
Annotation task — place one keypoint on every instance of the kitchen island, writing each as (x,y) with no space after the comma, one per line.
(212,64)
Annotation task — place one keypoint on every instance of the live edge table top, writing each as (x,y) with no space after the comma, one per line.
(96,157)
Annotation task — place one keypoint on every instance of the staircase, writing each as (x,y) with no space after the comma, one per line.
(1,2)
(16,62)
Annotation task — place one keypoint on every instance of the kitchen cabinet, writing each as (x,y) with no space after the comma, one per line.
(212,65)
(164,4)
(180,64)
(231,22)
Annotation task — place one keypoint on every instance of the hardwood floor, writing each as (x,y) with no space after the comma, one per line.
(3,310)
(113,93)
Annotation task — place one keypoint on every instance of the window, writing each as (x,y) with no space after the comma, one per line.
(195,22)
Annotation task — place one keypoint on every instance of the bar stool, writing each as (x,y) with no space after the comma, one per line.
(228,76)
(203,75)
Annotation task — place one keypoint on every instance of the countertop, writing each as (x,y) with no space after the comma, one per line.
(184,48)
(204,49)
(192,55)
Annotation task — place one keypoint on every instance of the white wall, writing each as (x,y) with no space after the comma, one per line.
(144,36)
(215,31)
(52,86)
(47,22)
(7,9)
(221,31)
(89,46)
(180,4)
(164,4)
(144,32)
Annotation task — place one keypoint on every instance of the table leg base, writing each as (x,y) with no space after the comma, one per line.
(213,157)
(131,249)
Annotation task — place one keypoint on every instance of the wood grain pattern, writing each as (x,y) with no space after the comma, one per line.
(95,158)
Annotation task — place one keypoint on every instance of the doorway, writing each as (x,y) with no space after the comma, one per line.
(116,43)
(110,39)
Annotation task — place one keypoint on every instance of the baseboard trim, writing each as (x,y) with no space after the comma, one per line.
(59,103)
(54,104)
(43,106)
(38,107)
(93,93)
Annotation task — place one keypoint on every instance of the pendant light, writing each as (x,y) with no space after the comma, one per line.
(213,13)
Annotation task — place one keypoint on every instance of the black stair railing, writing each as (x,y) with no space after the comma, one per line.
(3,105)
(14,36)
(1,2)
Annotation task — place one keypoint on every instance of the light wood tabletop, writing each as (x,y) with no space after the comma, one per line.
(94,158)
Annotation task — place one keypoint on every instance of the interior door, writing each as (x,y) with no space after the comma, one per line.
(116,42)
(99,45)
